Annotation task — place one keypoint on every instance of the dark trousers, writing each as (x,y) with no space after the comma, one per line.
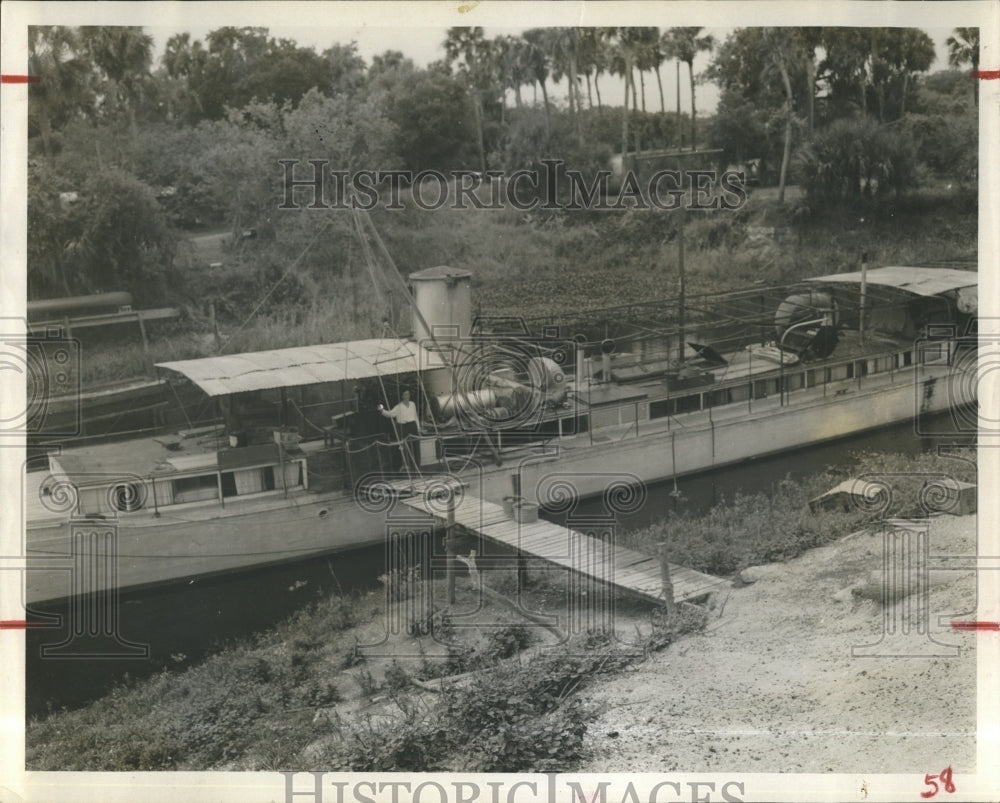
(408,434)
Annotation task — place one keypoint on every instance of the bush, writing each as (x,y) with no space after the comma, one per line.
(857,159)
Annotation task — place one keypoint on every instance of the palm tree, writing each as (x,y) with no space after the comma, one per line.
(810,38)
(124,54)
(685,44)
(627,43)
(512,54)
(56,59)
(563,48)
(648,58)
(784,47)
(963,48)
(474,56)
(539,66)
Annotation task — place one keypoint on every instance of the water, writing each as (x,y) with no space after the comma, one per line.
(184,622)
(699,492)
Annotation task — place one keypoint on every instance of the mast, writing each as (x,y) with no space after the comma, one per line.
(864,294)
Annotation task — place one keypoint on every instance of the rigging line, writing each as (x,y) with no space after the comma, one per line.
(370,264)
(274,287)
(367,258)
(180,404)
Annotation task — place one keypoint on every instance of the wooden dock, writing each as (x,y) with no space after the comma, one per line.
(592,557)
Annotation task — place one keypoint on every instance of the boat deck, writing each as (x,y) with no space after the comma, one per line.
(599,560)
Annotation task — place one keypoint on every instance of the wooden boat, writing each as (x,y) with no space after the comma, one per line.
(301,462)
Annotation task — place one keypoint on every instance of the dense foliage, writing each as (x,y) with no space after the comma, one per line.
(130,158)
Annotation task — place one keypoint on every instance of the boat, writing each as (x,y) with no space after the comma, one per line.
(300,460)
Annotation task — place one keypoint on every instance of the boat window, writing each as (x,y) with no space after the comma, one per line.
(689,404)
(268,475)
(659,408)
(719,397)
(195,489)
(739,393)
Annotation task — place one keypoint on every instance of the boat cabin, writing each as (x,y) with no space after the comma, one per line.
(308,419)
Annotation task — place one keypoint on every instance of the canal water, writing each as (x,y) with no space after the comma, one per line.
(182,623)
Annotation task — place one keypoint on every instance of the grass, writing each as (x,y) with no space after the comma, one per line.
(534,265)
(274,700)
(249,706)
(760,528)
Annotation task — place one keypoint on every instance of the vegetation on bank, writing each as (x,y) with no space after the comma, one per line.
(561,265)
(752,529)
(300,695)
(885,163)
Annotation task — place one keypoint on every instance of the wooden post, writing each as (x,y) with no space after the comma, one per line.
(668,586)
(142,331)
(449,549)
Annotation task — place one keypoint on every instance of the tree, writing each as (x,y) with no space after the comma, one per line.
(388,62)
(684,45)
(563,46)
(623,58)
(539,66)
(345,69)
(124,56)
(963,48)
(432,120)
(873,66)
(753,94)
(472,54)
(115,238)
(594,57)
(783,44)
(853,159)
(56,57)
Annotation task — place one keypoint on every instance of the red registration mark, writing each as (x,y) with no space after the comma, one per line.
(932,781)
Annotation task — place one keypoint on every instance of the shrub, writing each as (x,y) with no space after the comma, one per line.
(855,159)
(504,642)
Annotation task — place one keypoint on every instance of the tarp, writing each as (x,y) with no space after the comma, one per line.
(920,281)
(305,365)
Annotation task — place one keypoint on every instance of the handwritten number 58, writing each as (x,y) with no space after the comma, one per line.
(932,781)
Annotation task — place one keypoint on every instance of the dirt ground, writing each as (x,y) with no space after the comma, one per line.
(772,686)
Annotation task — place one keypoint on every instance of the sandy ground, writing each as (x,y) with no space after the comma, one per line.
(772,685)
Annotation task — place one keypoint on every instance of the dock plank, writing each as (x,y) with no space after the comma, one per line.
(589,556)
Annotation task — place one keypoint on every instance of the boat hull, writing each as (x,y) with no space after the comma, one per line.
(150,550)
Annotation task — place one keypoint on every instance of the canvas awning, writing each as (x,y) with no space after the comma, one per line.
(920,281)
(305,365)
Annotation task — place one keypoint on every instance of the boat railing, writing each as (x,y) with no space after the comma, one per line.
(768,391)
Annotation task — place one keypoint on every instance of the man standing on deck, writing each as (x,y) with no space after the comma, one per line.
(405,416)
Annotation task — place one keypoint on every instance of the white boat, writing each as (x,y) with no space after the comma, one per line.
(299,463)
